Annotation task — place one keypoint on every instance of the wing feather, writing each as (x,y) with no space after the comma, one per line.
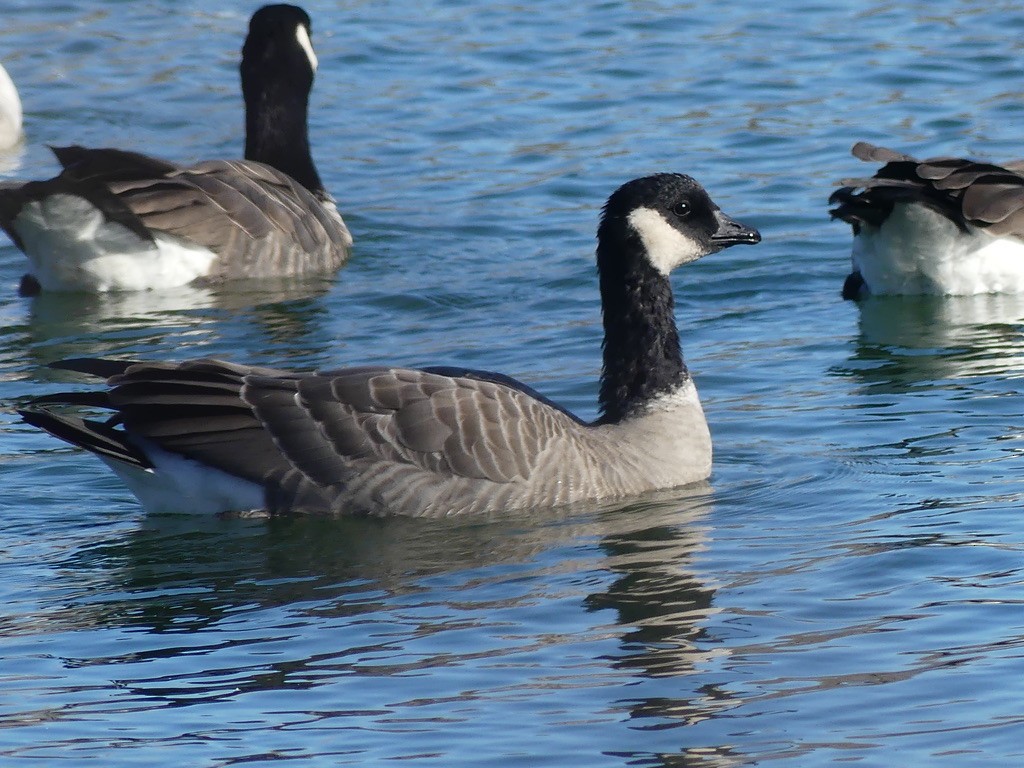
(965,191)
(307,437)
(258,220)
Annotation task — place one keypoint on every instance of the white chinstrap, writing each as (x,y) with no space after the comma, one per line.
(667,247)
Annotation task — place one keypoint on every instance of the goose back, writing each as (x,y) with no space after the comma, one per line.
(941,225)
(118,220)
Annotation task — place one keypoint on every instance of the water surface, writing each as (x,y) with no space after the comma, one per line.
(848,587)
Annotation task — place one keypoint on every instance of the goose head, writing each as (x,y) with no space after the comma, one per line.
(279,39)
(664,221)
(277,69)
(650,226)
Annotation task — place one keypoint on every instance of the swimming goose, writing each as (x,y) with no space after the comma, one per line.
(116,220)
(942,226)
(210,436)
(10,112)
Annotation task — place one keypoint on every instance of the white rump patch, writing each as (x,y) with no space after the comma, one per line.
(184,486)
(73,247)
(920,251)
(666,246)
(307,45)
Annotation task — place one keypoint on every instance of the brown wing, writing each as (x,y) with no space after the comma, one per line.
(965,191)
(259,221)
(337,422)
(306,437)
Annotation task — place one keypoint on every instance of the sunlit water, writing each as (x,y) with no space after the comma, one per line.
(849,587)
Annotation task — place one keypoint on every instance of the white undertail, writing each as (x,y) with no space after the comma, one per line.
(73,247)
(919,251)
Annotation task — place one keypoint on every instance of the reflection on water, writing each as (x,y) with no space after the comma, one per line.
(277,313)
(661,607)
(906,342)
(288,604)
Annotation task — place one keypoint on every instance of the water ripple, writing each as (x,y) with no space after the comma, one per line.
(845,587)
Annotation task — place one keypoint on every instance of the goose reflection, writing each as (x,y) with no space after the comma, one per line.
(205,567)
(661,606)
(280,312)
(908,342)
(296,603)
(281,561)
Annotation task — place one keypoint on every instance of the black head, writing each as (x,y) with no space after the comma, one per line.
(649,227)
(277,69)
(669,220)
(279,44)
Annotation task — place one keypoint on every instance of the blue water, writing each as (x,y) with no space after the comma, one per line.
(848,588)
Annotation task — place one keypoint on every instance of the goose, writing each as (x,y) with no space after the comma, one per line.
(10,112)
(944,226)
(211,436)
(120,221)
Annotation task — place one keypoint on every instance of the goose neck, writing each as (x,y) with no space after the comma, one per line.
(276,130)
(642,356)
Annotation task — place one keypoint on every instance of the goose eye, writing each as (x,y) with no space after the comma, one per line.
(681,209)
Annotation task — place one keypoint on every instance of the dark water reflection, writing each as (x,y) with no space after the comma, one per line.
(285,318)
(377,598)
(909,342)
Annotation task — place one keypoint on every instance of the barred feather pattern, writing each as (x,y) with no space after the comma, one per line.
(256,220)
(378,440)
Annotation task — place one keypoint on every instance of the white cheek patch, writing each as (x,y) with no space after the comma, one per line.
(307,45)
(666,246)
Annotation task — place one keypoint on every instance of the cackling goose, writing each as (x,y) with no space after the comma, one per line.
(942,226)
(116,220)
(210,436)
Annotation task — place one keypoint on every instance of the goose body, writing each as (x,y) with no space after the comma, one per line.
(211,436)
(10,112)
(116,220)
(942,226)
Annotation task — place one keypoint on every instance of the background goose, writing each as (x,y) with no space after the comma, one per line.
(10,112)
(942,226)
(210,436)
(115,220)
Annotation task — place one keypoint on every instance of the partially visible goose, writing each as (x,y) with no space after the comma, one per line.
(10,112)
(209,436)
(115,220)
(942,226)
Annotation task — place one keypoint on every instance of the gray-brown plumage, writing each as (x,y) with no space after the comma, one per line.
(981,202)
(432,441)
(965,191)
(117,220)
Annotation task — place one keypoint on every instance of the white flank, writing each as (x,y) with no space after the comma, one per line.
(919,251)
(10,112)
(184,486)
(72,247)
(666,246)
(307,45)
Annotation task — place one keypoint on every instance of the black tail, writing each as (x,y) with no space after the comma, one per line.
(94,436)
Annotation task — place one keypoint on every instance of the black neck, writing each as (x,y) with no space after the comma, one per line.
(276,131)
(642,358)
